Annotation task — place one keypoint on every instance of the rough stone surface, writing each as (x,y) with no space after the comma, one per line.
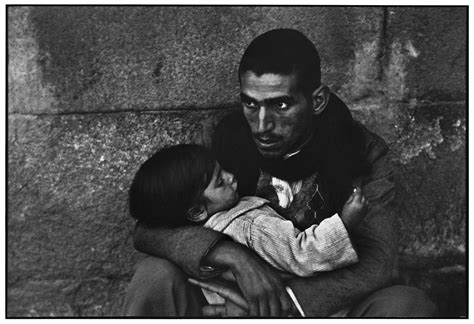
(135,58)
(429,152)
(68,223)
(427,59)
(93,91)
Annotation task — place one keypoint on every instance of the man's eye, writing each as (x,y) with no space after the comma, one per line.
(281,105)
(250,104)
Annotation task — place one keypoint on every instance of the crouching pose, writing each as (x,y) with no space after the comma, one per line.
(295,143)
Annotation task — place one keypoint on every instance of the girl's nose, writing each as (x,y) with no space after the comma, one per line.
(229,177)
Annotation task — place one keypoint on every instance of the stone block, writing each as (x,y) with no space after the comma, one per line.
(429,152)
(65,59)
(426,54)
(68,222)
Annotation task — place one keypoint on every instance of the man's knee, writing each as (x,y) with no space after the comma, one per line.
(412,302)
(154,289)
(396,301)
(155,271)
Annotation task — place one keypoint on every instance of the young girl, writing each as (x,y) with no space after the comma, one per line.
(184,184)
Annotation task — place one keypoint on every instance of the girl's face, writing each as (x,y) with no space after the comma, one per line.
(221,193)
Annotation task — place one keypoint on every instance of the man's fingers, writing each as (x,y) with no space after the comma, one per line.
(214,310)
(202,284)
(286,303)
(228,275)
(222,291)
(275,306)
(254,308)
(264,309)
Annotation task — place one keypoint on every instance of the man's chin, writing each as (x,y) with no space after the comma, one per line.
(270,154)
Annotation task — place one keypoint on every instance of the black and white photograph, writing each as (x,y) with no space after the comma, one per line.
(226,161)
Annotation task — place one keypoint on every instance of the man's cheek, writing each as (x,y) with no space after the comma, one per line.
(288,127)
(252,122)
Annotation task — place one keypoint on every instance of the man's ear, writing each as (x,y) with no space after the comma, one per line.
(320,99)
(197,213)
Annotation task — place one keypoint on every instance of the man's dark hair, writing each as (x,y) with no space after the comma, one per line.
(169,183)
(283,51)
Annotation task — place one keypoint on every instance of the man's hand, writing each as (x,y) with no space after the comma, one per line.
(354,209)
(235,304)
(261,286)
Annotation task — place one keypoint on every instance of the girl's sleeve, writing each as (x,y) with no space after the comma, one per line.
(322,247)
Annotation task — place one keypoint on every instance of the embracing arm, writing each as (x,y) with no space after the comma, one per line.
(375,241)
(184,246)
(193,247)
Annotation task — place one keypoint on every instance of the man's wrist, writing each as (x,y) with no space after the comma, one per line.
(223,254)
(348,223)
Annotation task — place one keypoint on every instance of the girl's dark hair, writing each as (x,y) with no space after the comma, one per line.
(169,183)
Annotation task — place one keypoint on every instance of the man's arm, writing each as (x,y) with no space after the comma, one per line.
(375,241)
(197,249)
(260,285)
(184,246)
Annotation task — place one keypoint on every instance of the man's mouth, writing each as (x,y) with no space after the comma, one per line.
(266,142)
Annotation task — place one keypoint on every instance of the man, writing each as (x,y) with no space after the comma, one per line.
(295,144)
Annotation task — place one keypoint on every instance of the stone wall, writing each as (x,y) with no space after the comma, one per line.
(93,91)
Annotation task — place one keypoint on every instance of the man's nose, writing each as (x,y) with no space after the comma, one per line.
(265,121)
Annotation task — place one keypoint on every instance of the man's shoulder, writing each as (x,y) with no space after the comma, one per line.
(375,146)
(379,183)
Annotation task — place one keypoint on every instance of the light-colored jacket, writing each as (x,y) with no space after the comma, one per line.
(253,223)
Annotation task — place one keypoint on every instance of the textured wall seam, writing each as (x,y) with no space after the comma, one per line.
(226,107)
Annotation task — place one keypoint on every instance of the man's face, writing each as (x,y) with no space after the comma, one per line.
(278,112)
